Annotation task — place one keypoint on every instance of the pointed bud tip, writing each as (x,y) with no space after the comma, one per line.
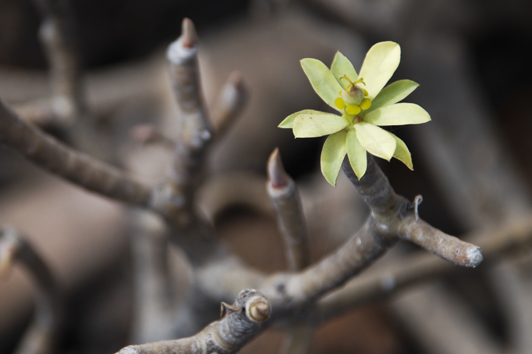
(237,81)
(277,176)
(188,32)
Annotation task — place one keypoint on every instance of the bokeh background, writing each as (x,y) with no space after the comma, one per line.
(472,162)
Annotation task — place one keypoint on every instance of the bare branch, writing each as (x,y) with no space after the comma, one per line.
(153,307)
(52,155)
(447,247)
(232,100)
(174,196)
(38,112)
(287,205)
(504,241)
(41,336)
(57,35)
(240,322)
(392,217)
(286,202)
(396,216)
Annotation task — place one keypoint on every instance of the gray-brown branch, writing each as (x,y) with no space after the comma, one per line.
(41,336)
(496,244)
(175,194)
(52,155)
(58,36)
(240,322)
(289,213)
(291,222)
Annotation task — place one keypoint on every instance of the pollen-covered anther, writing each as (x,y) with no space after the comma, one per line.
(365,104)
(352,109)
(339,102)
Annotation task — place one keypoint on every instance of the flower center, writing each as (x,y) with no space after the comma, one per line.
(352,99)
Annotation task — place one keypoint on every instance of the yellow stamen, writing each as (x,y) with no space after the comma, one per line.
(352,109)
(339,102)
(365,92)
(365,104)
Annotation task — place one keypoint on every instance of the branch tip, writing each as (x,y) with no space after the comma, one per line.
(258,311)
(475,257)
(277,176)
(188,33)
(237,80)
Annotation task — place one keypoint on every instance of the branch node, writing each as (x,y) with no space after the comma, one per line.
(226,309)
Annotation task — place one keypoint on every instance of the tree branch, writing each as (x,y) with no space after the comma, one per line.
(289,213)
(392,217)
(40,337)
(231,102)
(505,241)
(174,195)
(239,323)
(291,222)
(76,167)
(57,34)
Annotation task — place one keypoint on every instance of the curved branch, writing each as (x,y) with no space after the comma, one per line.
(41,335)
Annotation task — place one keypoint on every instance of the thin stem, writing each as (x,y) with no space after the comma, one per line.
(502,242)
(40,337)
(231,102)
(288,210)
(291,222)
(57,34)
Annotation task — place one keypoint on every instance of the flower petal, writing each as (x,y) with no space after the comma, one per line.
(288,122)
(322,80)
(397,114)
(375,140)
(402,153)
(342,66)
(379,65)
(315,123)
(393,93)
(356,153)
(332,156)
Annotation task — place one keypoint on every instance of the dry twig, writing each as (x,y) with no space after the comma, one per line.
(239,323)
(52,155)
(57,35)
(41,336)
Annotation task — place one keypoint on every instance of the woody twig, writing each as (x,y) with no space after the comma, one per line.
(41,336)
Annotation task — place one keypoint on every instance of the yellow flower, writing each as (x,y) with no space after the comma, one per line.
(363,105)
